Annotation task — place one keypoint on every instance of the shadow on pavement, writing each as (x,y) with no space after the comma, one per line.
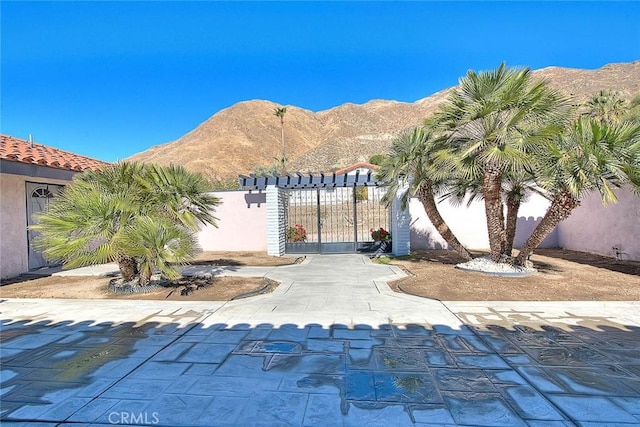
(169,375)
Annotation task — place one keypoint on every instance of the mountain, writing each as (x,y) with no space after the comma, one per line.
(246,135)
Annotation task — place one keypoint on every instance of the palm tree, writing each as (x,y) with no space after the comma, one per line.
(633,114)
(607,105)
(515,193)
(157,244)
(414,162)
(494,120)
(516,188)
(141,216)
(592,156)
(280,112)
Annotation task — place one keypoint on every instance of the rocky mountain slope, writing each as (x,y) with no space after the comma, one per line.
(247,134)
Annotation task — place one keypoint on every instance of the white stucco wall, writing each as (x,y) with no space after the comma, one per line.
(400,227)
(529,215)
(597,229)
(467,223)
(13,222)
(470,226)
(242,223)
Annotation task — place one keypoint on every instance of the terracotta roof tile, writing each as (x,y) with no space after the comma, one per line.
(356,166)
(18,150)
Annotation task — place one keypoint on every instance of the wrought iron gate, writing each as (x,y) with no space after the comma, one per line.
(334,219)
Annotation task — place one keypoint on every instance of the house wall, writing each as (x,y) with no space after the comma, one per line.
(469,224)
(242,223)
(591,228)
(13,226)
(597,229)
(13,222)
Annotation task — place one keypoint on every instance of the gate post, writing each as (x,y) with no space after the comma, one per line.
(400,225)
(276,225)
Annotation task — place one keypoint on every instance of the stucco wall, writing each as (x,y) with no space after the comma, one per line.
(13,222)
(597,229)
(242,223)
(470,226)
(13,226)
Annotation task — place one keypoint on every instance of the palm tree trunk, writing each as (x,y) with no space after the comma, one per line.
(491,189)
(561,207)
(513,205)
(282,135)
(284,153)
(145,276)
(128,267)
(427,198)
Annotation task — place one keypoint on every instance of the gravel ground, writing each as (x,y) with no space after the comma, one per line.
(484,264)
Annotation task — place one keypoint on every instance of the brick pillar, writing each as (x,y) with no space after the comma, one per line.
(275,221)
(400,225)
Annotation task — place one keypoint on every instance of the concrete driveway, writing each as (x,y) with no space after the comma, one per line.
(332,346)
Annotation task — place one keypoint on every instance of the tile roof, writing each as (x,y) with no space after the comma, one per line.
(356,166)
(18,150)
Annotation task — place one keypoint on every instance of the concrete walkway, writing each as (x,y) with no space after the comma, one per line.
(331,346)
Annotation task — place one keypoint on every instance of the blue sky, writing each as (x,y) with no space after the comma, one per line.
(109,79)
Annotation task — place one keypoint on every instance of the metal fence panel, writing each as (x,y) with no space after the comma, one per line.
(336,219)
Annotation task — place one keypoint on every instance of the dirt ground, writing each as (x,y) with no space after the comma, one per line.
(253,259)
(187,289)
(563,276)
(220,289)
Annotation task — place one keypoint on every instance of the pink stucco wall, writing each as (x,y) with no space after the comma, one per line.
(13,226)
(242,223)
(13,222)
(597,229)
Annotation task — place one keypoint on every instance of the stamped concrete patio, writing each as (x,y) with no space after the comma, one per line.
(332,346)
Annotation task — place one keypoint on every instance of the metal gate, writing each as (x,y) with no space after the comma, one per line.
(334,219)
